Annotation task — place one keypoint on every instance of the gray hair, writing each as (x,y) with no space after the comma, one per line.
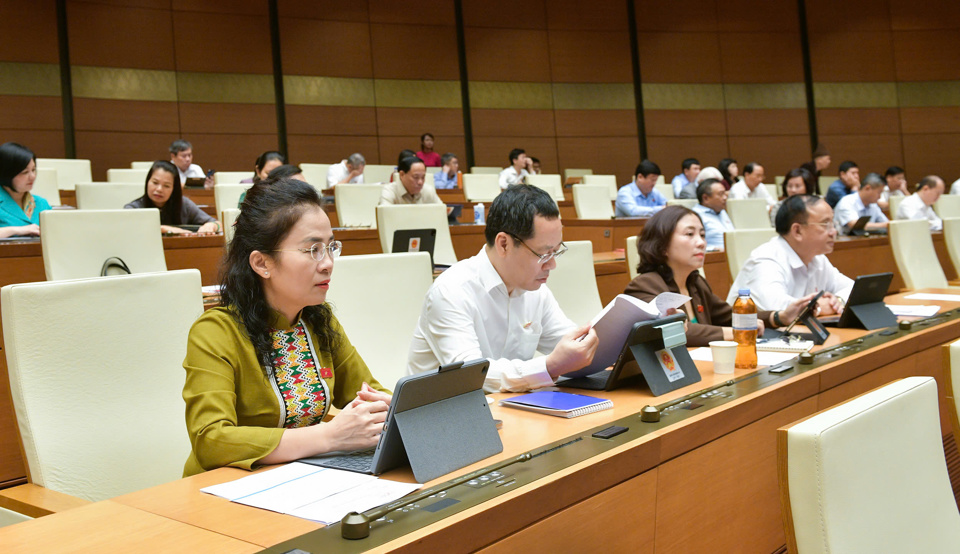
(179,145)
(356,159)
(873,180)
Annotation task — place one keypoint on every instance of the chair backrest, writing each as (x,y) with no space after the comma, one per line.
(227,196)
(357,205)
(574,283)
(95,369)
(107,196)
(609,181)
(392,218)
(9,517)
(75,243)
(480,187)
(633,257)
(125,175)
(231,177)
(661,180)
(749,213)
(570,172)
(894,205)
(665,189)
(740,243)
(548,182)
(869,475)
(46,186)
(951,236)
(913,251)
(374,173)
(947,206)
(315,174)
(592,201)
(772,190)
(825,182)
(685,202)
(485,170)
(141,165)
(69,172)
(365,286)
(229,218)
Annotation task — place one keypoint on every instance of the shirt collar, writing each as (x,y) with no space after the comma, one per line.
(279,321)
(792,257)
(487,274)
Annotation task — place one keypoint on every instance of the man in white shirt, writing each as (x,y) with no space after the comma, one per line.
(713,212)
(349,170)
(919,205)
(520,167)
(496,305)
(751,186)
(862,203)
(181,155)
(689,170)
(794,263)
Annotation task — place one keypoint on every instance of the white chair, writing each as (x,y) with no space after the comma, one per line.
(226,196)
(548,182)
(748,213)
(357,205)
(570,173)
(913,251)
(685,202)
(825,182)
(485,170)
(665,189)
(374,173)
(231,177)
(633,257)
(315,174)
(869,475)
(107,196)
(392,218)
(480,187)
(574,283)
(740,243)
(76,243)
(592,202)
(947,206)
(951,236)
(46,186)
(894,205)
(127,176)
(9,517)
(95,368)
(772,190)
(69,172)
(365,285)
(229,218)
(609,181)
(141,165)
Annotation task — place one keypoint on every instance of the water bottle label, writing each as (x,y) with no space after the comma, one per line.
(744,322)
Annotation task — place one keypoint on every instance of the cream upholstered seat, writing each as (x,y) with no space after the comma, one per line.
(748,213)
(231,177)
(76,243)
(485,170)
(378,321)
(951,236)
(480,187)
(869,475)
(69,172)
(107,196)
(227,196)
(376,173)
(772,190)
(229,218)
(391,218)
(570,173)
(947,206)
(9,517)
(96,376)
(665,189)
(141,165)
(825,181)
(315,174)
(609,181)
(633,257)
(685,202)
(574,283)
(740,243)
(913,251)
(46,186)
(894,205)
(592,202)
(357,205)
(548,182)
(125,175)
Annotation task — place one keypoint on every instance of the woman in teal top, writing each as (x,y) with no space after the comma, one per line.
(19,209)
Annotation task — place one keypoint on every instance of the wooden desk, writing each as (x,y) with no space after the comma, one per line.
(711,477)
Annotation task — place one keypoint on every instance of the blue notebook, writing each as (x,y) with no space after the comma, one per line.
(560,404)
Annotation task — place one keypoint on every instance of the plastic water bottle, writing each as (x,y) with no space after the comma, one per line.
(479,218)
(745,330)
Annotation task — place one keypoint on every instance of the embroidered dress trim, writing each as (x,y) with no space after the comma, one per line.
(297,379)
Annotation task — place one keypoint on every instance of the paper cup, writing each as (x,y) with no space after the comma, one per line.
(724,355)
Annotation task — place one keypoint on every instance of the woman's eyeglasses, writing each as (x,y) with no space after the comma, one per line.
(318,250)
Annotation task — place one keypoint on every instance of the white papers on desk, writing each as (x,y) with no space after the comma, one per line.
(914,311)
(933,296)
(764,358)
(311,492)
(210,289)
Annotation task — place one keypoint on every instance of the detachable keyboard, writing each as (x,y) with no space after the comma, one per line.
(360,461)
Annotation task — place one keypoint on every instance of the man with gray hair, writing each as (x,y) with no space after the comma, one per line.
(349,170)
(862,203)
(919,205)
(181,155)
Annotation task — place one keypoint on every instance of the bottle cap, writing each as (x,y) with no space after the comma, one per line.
(744,292)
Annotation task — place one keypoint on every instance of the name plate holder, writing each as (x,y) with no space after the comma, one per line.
(660,349)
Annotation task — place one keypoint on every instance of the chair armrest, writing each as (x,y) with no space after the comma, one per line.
(35,501)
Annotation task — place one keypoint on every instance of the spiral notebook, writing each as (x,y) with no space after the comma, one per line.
(560,404)
(779,345)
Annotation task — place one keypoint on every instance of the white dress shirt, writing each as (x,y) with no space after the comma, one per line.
(192,172)
(740,190)
(776,276)
(913,207)
(339,172)
(510,176)
(955,187)
(714,226)
(467,314)
(850,208)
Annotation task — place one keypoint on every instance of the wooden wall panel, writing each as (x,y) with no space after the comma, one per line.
(679,58)
(768,122)
(334,10)
(327,48)
(222,43)
(669,152)
(331,120)
(761,57)
(604,155)
(416,121)
(493,151)
(932,154)
(927,55)
(511,14)
(507,55)
(325,149)
(850,56)
(390,147)
(945,119)
(119,36)
(512,123)
(402,12)
(682,123)
(596,123)
(597,15)
(909,15)
(590,57)
(850,15)
(681,15)
(230,152)
(30,113)
(757,15)
(858,121)
(94,114)
(871,152)
(33,23)
(398,52)
(244,7)
(777,154)
(108,149)
(241,119)
(43,143)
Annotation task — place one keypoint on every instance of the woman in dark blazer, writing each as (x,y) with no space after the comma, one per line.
(672,249)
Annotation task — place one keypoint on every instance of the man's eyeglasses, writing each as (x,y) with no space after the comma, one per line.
(543,258)
(825,224)
(318,250)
